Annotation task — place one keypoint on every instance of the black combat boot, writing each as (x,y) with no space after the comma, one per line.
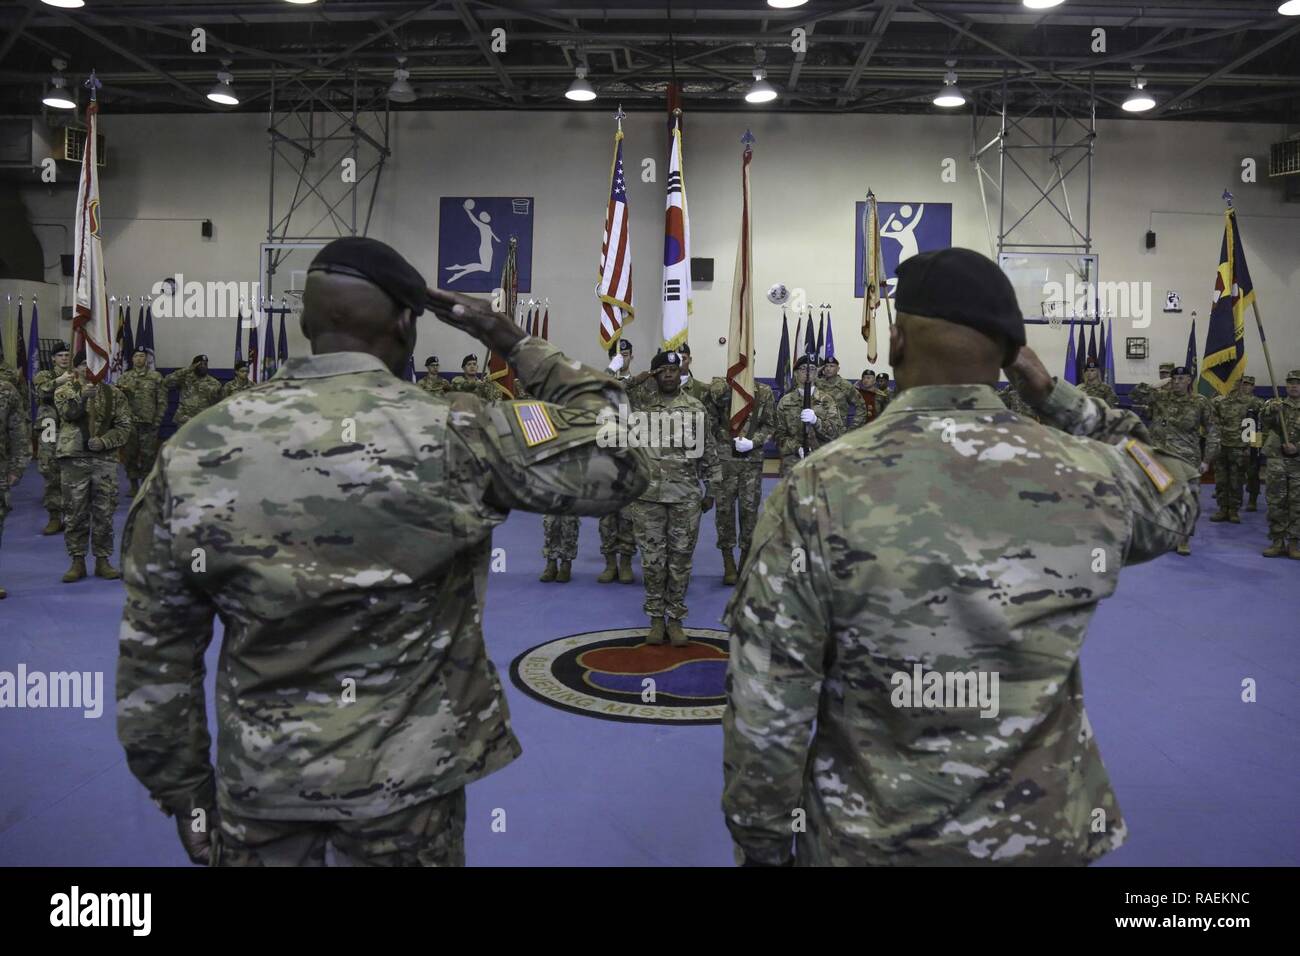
(548,575)
(728,567)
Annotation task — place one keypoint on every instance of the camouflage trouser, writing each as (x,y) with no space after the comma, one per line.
(48,465)
(616,535)
(1283,493)
(561,537)
(90,493)
(140,452)
(5,508)
(1252,473)
(428,834)
(1230,477)
(666,535)
(741,485)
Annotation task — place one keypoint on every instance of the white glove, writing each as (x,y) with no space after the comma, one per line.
(615,363)
(743,444)
(808,416)
(801,452)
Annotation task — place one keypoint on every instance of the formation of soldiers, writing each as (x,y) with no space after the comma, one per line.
(84,430)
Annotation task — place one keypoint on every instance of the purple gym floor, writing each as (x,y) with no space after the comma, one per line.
(1202,778)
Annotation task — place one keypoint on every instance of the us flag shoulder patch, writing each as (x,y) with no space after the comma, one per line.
(535,421)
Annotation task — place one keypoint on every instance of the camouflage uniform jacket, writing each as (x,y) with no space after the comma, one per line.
(235,385)
(44,383)
(105,415)
(637,395)
(11,375)
(1012,400)
(482,387)
(1100,390)
(434,384)
(15,437)
(677,462)
(759,427)
(349,570)
(1229,412)
(846,397)
(147,395)
(1143,394)
(196,393)
(1274,410)
(950,536)
(789,426)
(1176,424)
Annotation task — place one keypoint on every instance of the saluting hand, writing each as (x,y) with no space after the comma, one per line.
(1029,376)
(476,317)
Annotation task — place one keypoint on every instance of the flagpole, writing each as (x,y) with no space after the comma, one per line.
(1263,341)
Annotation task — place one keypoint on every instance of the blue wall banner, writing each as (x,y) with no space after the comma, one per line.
(906,228)
(473,236)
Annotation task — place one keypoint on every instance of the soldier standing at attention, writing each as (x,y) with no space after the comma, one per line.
(1178,418)
(617,537)
(433,382)
(1231,412)
(666,515)
(198,389)
(15,449)
(238,382)
(144,390)
(559,534)
(1282,473)
(47,433)
(94,422)
(1094,387)
(741,458)
(866,387)
(883,396)
(471,383)
(822,417)
(1143,394)
(949,538)
(355,699)
(847,400)
(691,385)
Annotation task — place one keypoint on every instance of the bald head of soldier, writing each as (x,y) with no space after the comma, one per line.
(958,320)
(362,296)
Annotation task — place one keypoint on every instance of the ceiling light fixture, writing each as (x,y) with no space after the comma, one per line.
(950,95)
(580,91)
(401,91)
(1139,101)
(222,92)
(1289,8)
(1043,4)
(762,91)
(786,4)
(57,96)
(65,4)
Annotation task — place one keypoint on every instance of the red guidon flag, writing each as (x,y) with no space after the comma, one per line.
(873,273)
(740,341)
(91,326)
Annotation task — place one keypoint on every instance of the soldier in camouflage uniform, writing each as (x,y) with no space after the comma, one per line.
(1282,473)
(356,699)
(741,460)
(1094,387)
(144,389)
(15,449)
(1231,412)
(666,516)
(852,409)
(47,433)
(866,387)
(559,547)
(617,537)
(15,378)
(950,539)
(1012,400)
(433,382)
(94,422)
(1179,417)
(822,418)
(469,382)
(238,382)
(691,385)
(1142,395)
(198,389)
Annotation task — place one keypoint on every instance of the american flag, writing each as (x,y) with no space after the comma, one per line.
(536,423)
(615,289)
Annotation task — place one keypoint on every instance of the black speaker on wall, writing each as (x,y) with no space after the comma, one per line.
(68,263)
(206,228)
(701,270)
(1151,239)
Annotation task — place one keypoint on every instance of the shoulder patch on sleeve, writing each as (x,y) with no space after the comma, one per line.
(535,423)
(1150,466)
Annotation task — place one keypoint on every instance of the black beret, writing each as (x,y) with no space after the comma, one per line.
(431,360)
(140,350)
(239,365)
(624,345)
(663,359)
(79,358)
(198,358)
(467,359)
(1181,370)
(379,264)
(806,359)
(884,375)
(1091,363)
(59,349)
(963,287)
(684,348)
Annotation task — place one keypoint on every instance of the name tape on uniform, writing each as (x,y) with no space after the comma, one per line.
(535,421)
(1148,463)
